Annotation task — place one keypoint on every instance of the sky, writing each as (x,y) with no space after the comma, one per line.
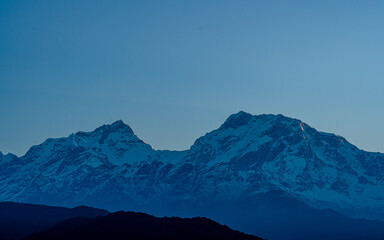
(175,70)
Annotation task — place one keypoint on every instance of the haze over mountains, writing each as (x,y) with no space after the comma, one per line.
(28,221)
(232,174)
(19,220)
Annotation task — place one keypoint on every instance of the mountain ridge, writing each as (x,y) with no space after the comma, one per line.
(120,122)
(131,225)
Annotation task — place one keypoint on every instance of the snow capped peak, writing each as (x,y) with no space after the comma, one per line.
(119,123)
(118,126)
(236,120)
(242,118)
(114,143)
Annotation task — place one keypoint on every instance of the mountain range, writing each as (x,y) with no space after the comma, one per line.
(231,174)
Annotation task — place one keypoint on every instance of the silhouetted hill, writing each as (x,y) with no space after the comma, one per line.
(130,225)
(18,220)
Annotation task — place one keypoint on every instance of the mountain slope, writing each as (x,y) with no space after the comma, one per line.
(19,220)
(129,225)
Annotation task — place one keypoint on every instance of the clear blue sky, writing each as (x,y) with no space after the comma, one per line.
(174,70)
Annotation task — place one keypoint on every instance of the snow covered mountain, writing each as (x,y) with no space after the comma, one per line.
(247,157)
(109,167)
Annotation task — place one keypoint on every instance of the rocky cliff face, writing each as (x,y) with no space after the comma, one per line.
(247,156)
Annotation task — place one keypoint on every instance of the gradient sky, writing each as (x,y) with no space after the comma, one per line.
(174,70)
